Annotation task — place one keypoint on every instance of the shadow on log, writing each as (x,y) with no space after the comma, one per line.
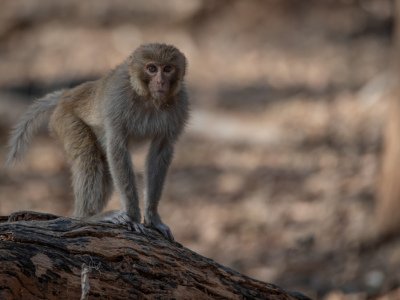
(43,256)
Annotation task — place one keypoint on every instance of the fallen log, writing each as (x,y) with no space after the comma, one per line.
(44,256)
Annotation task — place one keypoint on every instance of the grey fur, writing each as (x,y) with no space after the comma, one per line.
(22,133)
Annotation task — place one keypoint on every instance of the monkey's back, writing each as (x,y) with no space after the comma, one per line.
(78,101)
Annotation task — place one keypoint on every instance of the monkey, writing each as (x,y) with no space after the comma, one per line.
(144,99)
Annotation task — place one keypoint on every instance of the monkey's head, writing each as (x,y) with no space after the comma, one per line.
(157,71)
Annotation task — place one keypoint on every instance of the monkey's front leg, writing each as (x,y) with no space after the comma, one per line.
(124,179)
(158,161)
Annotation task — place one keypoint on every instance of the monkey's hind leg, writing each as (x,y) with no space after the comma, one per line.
(91,183)
(91,180)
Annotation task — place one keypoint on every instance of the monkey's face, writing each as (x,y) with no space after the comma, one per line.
(160,78)
(157,72)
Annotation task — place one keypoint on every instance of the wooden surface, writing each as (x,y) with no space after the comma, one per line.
(45,257)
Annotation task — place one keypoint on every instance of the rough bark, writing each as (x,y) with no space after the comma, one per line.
(44,256)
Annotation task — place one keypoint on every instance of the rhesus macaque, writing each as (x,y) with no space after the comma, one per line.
(142,99)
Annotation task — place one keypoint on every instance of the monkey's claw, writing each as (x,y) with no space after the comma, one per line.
(122,218)
(137,227)
(163,229)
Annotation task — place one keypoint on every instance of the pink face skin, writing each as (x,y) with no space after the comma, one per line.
(160,79)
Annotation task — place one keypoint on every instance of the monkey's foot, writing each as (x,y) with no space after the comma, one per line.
(122,218)
(162,228)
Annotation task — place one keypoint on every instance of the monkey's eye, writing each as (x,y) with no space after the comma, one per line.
(151,68)
(168,69)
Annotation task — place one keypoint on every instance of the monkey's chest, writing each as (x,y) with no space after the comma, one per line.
(150,125)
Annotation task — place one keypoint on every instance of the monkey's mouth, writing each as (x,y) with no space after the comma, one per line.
(159,98)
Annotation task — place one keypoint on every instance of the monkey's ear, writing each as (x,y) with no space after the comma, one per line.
(136,78)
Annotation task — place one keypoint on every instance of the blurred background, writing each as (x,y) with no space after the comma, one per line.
(287,171)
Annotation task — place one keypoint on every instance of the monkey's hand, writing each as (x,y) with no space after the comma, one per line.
(157,224)
(122,218)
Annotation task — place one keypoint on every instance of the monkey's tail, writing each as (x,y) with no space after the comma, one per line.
(30,122)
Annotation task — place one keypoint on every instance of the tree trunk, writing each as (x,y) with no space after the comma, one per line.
(388,206)
(43,256)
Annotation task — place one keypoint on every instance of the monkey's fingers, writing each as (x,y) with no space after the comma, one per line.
(138,227)
(164,230)
(124,219)
(132,226)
